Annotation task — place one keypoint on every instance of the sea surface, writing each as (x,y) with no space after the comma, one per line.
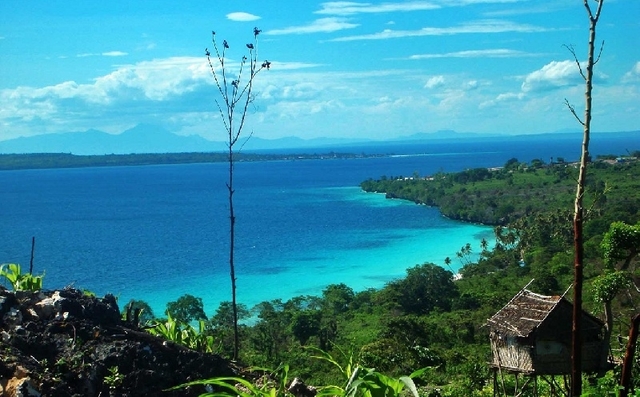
(154,233)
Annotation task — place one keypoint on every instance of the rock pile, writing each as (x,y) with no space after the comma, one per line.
(65,343)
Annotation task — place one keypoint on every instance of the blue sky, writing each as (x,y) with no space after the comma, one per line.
(339,69)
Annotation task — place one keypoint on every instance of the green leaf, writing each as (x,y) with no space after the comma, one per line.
(408,383)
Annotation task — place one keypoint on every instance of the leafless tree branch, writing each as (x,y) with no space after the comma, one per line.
(575,58)
(573,111)
(599,53)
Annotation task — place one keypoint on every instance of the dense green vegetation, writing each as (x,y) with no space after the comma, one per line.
(67,160)
(503,195)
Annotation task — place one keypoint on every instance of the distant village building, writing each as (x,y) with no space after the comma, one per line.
(531,335)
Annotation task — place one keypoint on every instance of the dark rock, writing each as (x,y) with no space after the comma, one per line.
(299,389)
(64,343)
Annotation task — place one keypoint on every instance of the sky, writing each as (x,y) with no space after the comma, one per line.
(351,69)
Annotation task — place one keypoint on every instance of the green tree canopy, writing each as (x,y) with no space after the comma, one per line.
(427,287)
(186,309)
(621,243)
(223,317)
(337,298)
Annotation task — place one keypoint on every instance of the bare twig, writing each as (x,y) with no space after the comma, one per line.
(572,109)
(575,58)
(599,53)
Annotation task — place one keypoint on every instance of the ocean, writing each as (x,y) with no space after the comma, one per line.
(154,233)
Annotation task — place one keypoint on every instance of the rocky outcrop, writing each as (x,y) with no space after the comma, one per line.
(64,343)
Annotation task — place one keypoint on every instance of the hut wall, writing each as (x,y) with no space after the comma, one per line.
(553,358)
(553,343)
(510,355)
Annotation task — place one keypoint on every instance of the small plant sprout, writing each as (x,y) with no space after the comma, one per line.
(114,379)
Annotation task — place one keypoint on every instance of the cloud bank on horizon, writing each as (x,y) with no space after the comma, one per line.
(338,69)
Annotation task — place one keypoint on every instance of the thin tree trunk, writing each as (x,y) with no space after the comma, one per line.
(232,269)
(608,323)
(234,93)
(576,338)
(578,219)
(627,365)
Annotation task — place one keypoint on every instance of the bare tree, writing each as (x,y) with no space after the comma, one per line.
(236,93)
(578,217)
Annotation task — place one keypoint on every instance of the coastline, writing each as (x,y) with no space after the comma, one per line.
(10,162)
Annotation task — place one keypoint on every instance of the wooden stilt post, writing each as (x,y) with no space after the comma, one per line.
(627,365)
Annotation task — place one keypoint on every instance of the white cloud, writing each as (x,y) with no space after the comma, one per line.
(279,66)
(156,80)
(127,87)
(114,54)
(104,54)
(483,26)
(322,25)
(558,74)
(632,76)
(545,8)
(471,85)
(435,81)
(496,53)
(350,8)
(301,90)
(509,96)
(242,17)
(552,75)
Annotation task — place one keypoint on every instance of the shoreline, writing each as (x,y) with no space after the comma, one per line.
(14,162)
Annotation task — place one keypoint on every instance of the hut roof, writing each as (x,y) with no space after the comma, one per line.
(524,313)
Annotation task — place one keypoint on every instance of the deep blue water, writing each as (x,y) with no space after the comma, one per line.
(158,232)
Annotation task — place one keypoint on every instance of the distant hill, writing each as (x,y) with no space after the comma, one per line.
(147,138)
(140,139)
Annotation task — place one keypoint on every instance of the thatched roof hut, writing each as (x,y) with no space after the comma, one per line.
(532,335)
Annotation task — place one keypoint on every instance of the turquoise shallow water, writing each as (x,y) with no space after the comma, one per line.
(158,232)
(366,258)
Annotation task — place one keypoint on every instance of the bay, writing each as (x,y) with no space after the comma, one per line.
(158,232)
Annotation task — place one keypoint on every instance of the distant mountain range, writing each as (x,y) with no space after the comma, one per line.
(146,138)
(142,138)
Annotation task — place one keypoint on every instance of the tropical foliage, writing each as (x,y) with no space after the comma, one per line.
(19,281)
(184,334)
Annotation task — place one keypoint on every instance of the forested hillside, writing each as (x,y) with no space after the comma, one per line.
(502,195)
(431,318)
